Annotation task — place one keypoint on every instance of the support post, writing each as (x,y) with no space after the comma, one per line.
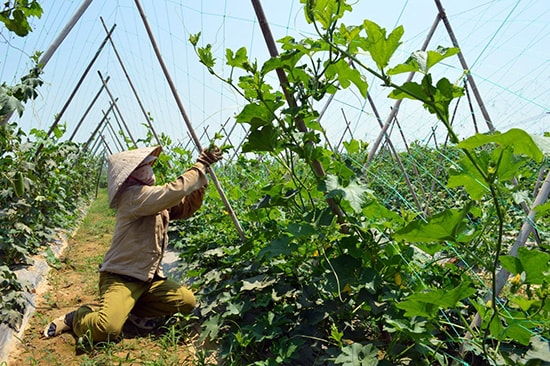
(503,274)
(464,65)
(131,84)
(113,100)
(98,127)
(87,110)
(397,158)
(64,32)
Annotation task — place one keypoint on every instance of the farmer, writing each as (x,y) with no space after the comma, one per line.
(132,285)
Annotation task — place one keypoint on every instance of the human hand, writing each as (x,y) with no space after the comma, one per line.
(210,156)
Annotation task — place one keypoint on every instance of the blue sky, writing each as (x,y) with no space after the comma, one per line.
(505,43)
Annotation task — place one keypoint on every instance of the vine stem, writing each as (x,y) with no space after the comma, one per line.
(283,80)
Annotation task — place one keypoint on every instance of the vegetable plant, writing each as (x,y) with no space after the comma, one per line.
(331,272)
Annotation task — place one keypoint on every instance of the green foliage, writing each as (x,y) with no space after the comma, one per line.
(422,61)
(336,262)
(15,15)
(41,193)
(12,300)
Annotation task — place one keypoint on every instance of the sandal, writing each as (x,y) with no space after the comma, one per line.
(142,323)
(59,325)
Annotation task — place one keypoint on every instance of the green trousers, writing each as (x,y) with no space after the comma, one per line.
(120,296)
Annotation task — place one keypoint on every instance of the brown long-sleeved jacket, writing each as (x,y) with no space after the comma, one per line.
(141,230)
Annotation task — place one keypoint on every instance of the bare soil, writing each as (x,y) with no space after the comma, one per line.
(74,282)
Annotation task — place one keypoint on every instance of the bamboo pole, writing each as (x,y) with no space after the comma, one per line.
(95,147)
(114,135)
(88,110)
(187,120)
(147,119)
(98,127)
(98,180)
(475,91)
(113,100)
(105,143)
(337,148)
(397,158)
(464,65)
(64,32)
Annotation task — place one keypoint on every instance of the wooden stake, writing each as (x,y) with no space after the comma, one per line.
(98,127)
(88,110)
(462,60)
(113,100)
(147,119)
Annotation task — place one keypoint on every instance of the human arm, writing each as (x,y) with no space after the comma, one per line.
(146,200)
(188,205)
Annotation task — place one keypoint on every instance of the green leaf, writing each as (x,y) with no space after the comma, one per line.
(508,163)
(211,327)
(381,48)
(511,264)
(422,61)
(427,303)
(409,90)
(354,193)
(262,139)
(258,115)
(523,303)
(346,75)
(436,98)
(468,176)
(278,246)
(9,103)
(239,59)
(233,309)
(206,57)
(301,230)
(519,333)
(194,38)
(257,283)
(378,214)
(520,141)
(352,146)
(411,326)
(535,263)
(448,225)
(358,355)
(324,12)
(347,268)
(543,209)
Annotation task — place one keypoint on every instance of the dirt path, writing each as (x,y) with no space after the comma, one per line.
(73,282)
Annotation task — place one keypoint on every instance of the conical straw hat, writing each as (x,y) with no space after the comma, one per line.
(122,164)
